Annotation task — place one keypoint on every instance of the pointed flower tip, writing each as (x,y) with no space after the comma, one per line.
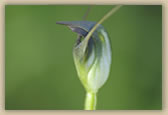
(60,22)
(63,23)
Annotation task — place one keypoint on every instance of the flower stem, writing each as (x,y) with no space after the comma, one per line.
(90,101)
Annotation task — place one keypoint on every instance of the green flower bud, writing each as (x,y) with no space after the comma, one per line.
(92,56)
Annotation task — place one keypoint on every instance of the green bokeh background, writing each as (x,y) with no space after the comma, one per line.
(39,69)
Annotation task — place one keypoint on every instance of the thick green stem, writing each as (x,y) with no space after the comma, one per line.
(90,101)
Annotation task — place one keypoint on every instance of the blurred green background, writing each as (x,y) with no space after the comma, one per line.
(39,69)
